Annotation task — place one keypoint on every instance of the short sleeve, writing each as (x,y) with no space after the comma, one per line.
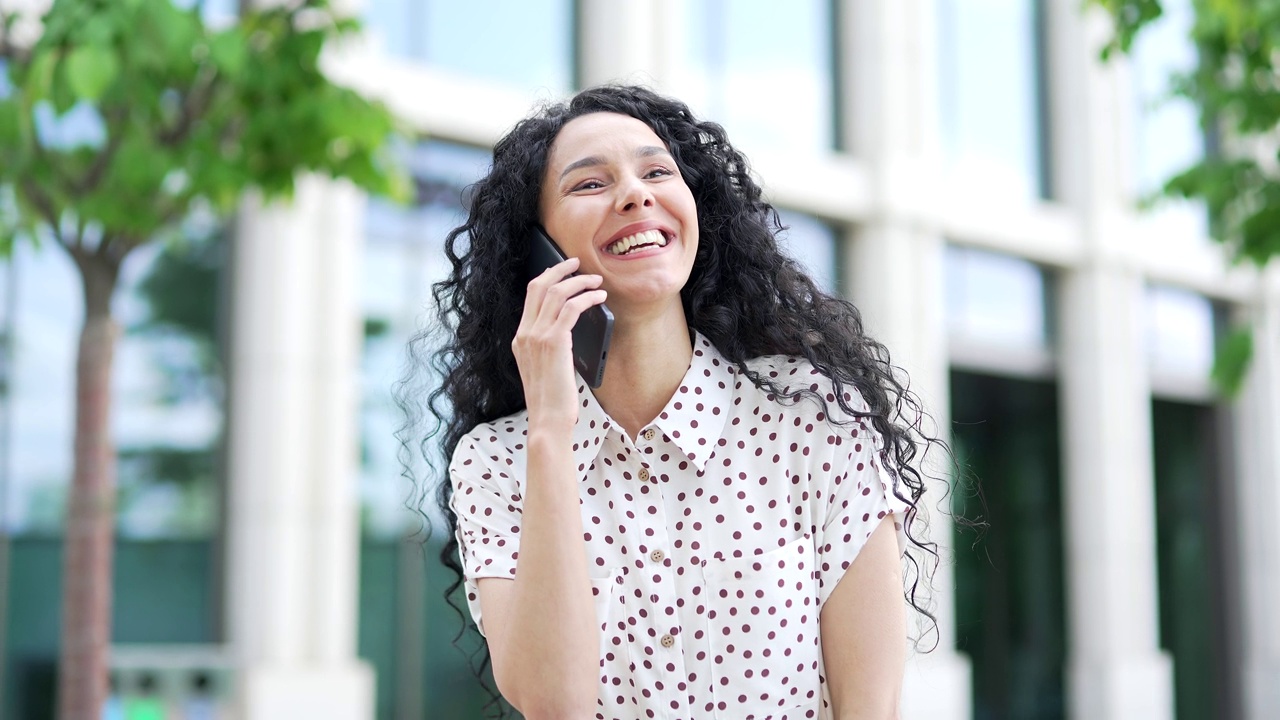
(487,505)
(860,497)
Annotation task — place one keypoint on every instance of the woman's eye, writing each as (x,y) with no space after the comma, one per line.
(658,172)
(588,185)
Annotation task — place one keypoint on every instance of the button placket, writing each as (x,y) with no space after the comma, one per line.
(655,618)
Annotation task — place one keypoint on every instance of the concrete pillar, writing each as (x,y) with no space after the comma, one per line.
(1115,667)
(896,279)
(1257,422)
(617,42)
(292,511)
(894,274)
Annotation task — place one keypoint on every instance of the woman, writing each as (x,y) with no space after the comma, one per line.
(717,530)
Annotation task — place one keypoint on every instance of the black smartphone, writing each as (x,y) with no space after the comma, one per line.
(594,329)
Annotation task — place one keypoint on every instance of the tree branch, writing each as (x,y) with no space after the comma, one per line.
(95,173)
(114,248)
(194,105)
(48,212)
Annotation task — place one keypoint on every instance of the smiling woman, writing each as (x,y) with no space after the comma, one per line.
(718,529)
(615,199)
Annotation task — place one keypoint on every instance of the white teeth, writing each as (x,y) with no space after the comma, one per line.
(640,239)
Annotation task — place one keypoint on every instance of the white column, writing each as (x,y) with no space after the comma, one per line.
(895,276)
(1115,667)
(292,524)
(617,42)
(1257,423)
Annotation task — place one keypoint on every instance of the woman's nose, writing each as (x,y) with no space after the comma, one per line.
(633,194)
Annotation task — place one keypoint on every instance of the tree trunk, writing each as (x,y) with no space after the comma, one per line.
(90,529)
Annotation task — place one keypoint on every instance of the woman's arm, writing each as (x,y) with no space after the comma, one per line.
(864,626)
(541,627)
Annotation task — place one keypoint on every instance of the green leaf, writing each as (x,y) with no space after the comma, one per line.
(179,28)
(37,83)
(1231,362)
(10,128)
(90,71)
(229,51)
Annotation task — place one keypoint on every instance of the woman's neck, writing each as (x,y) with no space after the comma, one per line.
(648,357)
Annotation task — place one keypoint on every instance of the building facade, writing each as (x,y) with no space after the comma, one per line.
(968,173)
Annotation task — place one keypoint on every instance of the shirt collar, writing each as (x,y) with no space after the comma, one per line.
(693,418)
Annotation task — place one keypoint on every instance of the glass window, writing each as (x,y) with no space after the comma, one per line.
(1198,585)
(526,43)
(813,244)
(1167,134)
(1010,573)
(762,71)
(996,299)
(989,79)
(404,257)
(1180,332)
(419,661)
(167,390)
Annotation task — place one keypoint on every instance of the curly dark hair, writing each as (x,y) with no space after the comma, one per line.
(745,295)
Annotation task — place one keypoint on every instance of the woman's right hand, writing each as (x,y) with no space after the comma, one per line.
(543,345)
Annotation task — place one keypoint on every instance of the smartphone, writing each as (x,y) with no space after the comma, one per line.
(594,329)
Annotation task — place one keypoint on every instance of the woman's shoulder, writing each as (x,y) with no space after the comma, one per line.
(496,438)
(798,377)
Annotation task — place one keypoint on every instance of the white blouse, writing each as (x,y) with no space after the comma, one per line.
(714,538)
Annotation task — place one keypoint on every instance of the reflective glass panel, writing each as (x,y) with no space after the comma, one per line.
(995,298)
(404,256)
(1167,135)
(761,69)
(988,77)
(525,43)
(1199,580)
(813,244)
(1010,589)
(1180,331)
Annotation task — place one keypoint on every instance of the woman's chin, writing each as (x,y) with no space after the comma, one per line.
(646,300)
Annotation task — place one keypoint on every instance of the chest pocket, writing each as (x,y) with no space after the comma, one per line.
(611,615)
(763,619)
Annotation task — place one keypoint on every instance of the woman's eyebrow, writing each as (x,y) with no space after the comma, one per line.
(593,160)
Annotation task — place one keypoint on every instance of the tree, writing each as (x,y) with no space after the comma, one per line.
(117,120)
(1236,89)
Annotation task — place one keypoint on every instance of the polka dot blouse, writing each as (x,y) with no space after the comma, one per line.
(714,538)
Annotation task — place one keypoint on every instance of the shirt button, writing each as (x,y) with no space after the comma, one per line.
(649,434)
(656,556)
(668,641)
(644,474)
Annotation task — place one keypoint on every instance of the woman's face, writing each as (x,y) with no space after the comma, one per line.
(613,197)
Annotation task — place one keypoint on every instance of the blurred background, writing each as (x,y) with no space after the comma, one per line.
(968,171)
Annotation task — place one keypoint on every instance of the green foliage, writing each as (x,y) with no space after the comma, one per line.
(1236,88)
(1232,360)
(190,115)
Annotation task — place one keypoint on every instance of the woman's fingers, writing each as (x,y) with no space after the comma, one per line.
(537,288)
(575,306)
(548,293)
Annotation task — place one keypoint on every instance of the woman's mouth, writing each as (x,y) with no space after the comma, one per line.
(639,241)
